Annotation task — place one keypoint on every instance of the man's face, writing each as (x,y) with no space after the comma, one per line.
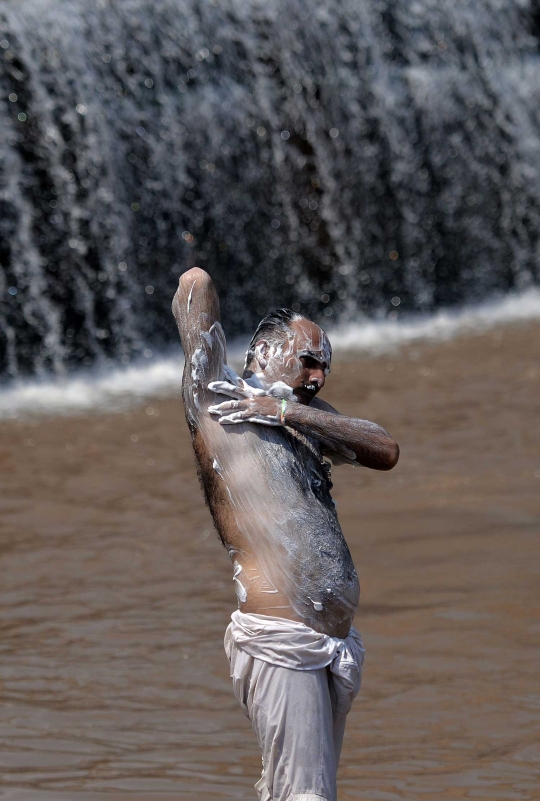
(302,360)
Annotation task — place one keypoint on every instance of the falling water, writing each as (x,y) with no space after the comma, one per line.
(343,157)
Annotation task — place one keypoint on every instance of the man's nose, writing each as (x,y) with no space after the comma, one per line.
(317,377)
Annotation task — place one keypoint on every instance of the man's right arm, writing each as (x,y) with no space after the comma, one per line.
(196,310)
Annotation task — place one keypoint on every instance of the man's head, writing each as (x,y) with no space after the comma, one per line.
(287,347)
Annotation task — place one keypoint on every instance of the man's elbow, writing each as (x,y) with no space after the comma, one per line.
(384,456)
(193,277)
(391,455)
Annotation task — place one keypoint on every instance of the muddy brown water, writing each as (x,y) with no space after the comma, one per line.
(115,594)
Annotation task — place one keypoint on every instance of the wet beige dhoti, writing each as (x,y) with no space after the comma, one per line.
(296,686)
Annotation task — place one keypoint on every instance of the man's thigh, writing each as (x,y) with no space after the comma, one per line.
(291,713)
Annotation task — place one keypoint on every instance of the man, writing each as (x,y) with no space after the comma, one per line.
(295,660)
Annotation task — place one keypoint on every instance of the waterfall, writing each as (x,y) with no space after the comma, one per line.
(348,158)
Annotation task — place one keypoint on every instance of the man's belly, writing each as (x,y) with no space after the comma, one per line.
(332,615)
(289,556)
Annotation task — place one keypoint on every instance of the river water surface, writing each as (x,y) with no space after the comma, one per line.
(115,594)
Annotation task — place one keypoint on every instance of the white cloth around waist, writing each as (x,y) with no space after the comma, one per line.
(293,645)
(296,686)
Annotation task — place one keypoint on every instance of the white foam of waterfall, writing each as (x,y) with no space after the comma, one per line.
(121,388)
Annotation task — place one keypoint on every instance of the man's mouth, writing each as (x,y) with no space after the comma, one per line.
(309,389)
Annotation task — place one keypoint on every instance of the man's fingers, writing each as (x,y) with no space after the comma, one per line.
(240,390)
(225,407)
(231,419)
(244,417)
(224,388)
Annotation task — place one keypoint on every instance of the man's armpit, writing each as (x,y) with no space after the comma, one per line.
(338,459)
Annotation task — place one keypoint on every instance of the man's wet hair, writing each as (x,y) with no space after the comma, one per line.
(273,328)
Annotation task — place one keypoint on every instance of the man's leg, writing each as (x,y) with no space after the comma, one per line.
(292,718)
(291,714)
(339,720)
(344,687)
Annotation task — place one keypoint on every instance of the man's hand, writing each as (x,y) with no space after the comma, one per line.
(240,389)
(260,409)
(252,404)
(343,439)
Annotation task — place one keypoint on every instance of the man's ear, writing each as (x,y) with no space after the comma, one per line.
(261,353)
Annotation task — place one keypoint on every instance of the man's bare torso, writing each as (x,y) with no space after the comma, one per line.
(268,490)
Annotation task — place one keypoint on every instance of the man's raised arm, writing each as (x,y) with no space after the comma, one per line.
(196,310)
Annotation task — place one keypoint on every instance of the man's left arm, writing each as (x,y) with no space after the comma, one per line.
(347,438)
(371,445)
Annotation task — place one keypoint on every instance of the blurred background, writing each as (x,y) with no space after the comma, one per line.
(345,158)
(372,164)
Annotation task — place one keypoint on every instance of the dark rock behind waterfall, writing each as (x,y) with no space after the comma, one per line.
(342,157)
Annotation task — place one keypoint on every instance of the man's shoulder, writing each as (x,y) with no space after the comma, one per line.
(323,406)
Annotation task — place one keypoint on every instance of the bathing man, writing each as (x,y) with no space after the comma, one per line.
(295,659)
